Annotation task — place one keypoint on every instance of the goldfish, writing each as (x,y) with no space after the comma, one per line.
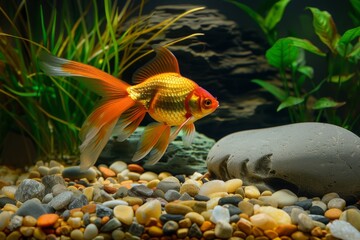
(173,101)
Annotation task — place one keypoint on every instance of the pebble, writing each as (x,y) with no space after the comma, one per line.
(220,214)
(61,201)
(213,186)
(316,210)
(327,197)
(5,200)
(320,204)
(114,203)
(145,212)
(251,192)
(148,176)
(223,229)
(15,222)
(135,168)
(172,195)
(194,231)
(111,225)
(338,203)
(305,223)
(124,214)
(191,188)
(175,208)
(47,220)
(9,191)
(284,198)
(118,166)
(234,200)
(195,218)
(170,227)
(169,183)
(279,215)
(32,207)
(74,172)
(233,184)
(91,231)
(136,229)
(246,207)
(77,234)
(333,213)
(4,220)
(141,190)
(351,216)
(263,221)
(29,189)
(304,204)
(343,230)
(103,211)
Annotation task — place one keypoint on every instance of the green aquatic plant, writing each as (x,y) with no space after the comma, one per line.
(267,23)
(335,97)
(50,111)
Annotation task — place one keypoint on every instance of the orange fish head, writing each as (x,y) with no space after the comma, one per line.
(202,103)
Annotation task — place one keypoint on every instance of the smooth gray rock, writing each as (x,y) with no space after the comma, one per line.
(32,207)
(62,200)
(308,158)
(75,172)
(178,159)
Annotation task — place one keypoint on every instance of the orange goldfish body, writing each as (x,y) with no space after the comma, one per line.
(174,101)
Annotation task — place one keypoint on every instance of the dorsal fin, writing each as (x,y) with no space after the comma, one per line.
(163,62)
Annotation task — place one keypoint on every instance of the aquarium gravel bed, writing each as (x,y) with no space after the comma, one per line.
(123,201)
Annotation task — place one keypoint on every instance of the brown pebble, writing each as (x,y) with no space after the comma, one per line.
(317,232)
(244,226)
(185,223)
(174,208)
(155,231)
(110,189)
(257,232)
(333,213)
(239,234)
(300,236)
(90,208)
(106,172)
(271,234)
(135,168)
(286,229)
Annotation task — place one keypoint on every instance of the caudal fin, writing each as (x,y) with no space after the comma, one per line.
(96,80)
(98,127)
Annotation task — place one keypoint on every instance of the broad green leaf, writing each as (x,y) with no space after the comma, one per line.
(326,103)
(306,45)
(289,102)
(307,71)
(341,78)
(275,14)
(252,13)
(282,53)
(350,35)
(325,28)
(271,88)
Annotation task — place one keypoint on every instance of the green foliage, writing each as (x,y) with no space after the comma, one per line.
(333,99)
(269,22)
(51,110)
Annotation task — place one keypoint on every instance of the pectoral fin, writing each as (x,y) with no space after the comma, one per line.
(188,134)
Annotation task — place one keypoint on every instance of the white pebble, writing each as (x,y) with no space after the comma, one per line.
(220,214)
(212,187)
(91,231)
(344,230)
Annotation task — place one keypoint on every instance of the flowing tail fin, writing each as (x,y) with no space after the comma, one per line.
(97,128)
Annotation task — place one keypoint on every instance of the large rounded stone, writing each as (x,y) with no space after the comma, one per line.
(308,158)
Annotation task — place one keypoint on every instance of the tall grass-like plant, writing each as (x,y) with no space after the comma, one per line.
(50,110)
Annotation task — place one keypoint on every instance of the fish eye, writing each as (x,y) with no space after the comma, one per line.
(207,102)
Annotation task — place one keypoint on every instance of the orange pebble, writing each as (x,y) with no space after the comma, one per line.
(90,208)
(135,207)
(286,229)
(207,225)
(47,220)
(333,213)
(106,172)
(105,220)
(110,189)
(135,168)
